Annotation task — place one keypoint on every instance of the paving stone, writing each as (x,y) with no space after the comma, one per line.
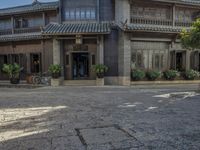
(67,143)
(93,118)
(105,146)
(35,144)
(103,135)
(127,144)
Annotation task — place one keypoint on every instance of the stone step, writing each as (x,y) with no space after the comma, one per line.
(22,84)
(79,83)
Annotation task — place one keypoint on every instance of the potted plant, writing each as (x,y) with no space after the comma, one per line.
(55,71)
(100,71)
(13,71)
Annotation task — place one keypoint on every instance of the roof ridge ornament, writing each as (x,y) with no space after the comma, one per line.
(35,2)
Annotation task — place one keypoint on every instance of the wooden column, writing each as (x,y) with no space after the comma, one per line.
(13,24)
(100,50)
(187,61)
(98,11)
(56,52)
(174,15)
(44,18)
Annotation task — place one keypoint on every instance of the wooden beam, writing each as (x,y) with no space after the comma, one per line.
(152,39)
(73,38)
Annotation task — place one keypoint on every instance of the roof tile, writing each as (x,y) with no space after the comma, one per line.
(34,7)
(77,28)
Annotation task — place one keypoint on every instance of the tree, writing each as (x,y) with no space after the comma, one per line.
(191,39)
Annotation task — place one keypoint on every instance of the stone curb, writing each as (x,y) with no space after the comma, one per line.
(165,82)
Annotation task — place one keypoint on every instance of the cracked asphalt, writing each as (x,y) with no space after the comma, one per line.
(100,118)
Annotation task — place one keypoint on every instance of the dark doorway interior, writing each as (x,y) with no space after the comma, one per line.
(179,61)
(80,65)
(36,63)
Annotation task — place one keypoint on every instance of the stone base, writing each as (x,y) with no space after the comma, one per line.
(100,82)
(124,81)
(56,82)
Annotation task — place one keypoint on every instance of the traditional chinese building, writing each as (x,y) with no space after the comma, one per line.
(122,34)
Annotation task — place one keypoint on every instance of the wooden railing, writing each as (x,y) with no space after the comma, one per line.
(160,22)
(5,32)
(20,30)
(151,21)
(27,30)
(183,24)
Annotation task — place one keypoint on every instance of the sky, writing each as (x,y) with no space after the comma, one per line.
(11,3)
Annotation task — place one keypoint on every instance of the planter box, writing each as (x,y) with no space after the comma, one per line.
(100,82)
(56,82)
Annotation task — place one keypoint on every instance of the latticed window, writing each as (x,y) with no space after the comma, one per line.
(80,14)
(137,60)
(150,12)
(158,61)
(185,15)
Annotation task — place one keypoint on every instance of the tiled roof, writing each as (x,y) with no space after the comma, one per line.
(189,1)
(77,28)
(152,28)
(194,2)
(21,37)
(35,6)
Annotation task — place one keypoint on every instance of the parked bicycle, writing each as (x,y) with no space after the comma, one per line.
(43,79)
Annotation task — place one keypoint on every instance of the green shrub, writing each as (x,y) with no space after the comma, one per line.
(152,75)
(100,70)
(55,70)
(137,74)
(170,74)
(12,70)
(191,74)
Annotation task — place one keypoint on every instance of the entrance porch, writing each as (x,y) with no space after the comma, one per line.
(79,49)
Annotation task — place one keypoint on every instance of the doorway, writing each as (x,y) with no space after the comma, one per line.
(179,61)
(80,66)
(35,63)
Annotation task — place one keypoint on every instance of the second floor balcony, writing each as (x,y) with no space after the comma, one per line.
(5,32)
(160,22)
(159,14)
(20,30)
(27,30)
(138,20)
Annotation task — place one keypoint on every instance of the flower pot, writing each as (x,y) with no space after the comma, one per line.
(100,75)
(14,80)
(55,75)
(56,82)
(100,82)
(29,79)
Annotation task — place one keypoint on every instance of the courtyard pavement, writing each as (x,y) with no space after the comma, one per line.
(100,118)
